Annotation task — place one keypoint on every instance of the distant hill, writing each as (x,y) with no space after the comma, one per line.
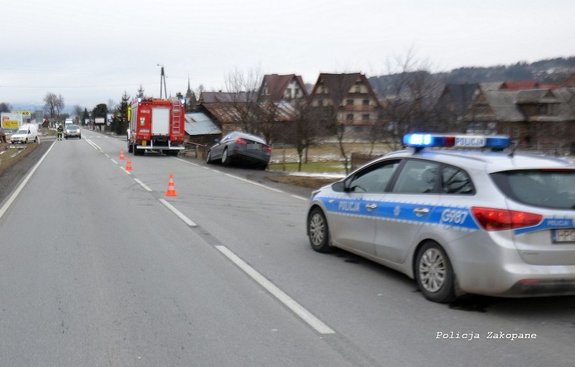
(547,71)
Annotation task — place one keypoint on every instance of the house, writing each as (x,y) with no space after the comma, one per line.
(355,102)
(276,88)
(225,108)
(537,118)
(453,104)
(200,129)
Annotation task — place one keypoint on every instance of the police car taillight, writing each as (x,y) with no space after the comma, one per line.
(492,219)
(419,141)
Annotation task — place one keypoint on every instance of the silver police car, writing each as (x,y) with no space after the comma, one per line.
(473,219)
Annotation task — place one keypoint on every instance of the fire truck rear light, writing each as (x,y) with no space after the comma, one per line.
(501,219)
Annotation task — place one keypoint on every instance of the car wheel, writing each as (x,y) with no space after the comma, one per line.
(434,274)
(318,231)
(226,160)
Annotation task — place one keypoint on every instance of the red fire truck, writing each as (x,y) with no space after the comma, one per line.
(156,125)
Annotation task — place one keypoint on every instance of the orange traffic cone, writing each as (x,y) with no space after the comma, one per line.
(171,187)
(122,154)
(129,164)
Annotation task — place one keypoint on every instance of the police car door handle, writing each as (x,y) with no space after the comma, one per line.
(420,212)
(371,206)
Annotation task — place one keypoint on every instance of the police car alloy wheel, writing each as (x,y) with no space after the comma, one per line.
(434,274)
(318,231)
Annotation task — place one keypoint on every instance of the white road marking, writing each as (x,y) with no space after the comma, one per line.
(179,214)
(113,160)
(24,182)
(299,197)
(143,185)
(94,145)
(254,183)
(289,302)
(124,169)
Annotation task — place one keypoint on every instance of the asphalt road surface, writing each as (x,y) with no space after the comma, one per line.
(99,268)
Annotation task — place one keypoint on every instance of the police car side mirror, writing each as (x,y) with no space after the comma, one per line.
(339,186)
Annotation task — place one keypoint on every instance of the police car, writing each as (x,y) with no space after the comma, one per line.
(477,218)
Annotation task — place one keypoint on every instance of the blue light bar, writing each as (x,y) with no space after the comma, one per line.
(419,141)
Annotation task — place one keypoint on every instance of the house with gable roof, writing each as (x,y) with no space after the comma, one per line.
(540,118)
(277,88)
(356,104)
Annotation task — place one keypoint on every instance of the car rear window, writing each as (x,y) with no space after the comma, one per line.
(552,188)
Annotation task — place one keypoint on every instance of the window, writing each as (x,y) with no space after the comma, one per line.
(374,179)
(456,181)
(365,102)
(418,177)
(349,117)
(349,102)
(365,117)
(542,188)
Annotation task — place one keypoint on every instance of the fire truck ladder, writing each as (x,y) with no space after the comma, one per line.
(176,117)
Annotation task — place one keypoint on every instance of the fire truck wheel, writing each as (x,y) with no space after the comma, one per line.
(130,148)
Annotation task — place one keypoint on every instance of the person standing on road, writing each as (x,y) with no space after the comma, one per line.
(59,132)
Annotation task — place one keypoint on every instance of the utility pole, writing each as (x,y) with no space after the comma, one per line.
(163,81)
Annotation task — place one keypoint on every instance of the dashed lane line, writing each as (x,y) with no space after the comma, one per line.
(280,295)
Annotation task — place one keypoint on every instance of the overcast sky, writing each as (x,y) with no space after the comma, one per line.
(90,52)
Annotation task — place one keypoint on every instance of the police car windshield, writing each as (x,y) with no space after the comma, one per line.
(542,188)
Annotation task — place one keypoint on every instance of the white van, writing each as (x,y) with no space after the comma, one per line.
(27,133)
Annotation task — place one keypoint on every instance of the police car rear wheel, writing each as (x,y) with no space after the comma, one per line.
(318,231)
(434,274)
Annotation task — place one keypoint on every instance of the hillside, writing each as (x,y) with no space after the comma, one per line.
(548,71)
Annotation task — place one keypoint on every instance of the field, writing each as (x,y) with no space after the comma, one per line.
(324,166)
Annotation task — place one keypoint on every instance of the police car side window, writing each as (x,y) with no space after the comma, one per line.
(373,179)
(418,177)
(456,181)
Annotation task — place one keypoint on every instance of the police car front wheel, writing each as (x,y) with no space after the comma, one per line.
(434,274)
(318,231)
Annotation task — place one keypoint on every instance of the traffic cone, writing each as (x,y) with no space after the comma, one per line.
(129,164)
(171,187)
(122,154)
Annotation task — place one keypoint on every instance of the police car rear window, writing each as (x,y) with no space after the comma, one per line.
(552,188)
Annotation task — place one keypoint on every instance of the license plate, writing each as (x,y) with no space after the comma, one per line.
(254,147)
(563,235)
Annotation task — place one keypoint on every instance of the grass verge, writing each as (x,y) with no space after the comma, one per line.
(10,156)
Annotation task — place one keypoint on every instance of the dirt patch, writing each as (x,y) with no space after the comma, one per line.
(10,156)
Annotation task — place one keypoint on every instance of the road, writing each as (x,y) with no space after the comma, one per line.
(100,268)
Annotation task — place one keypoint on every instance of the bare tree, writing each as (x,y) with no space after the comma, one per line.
(78,111)
(306,129)
(53,105)
(408,98)
(5,107)
(242,89)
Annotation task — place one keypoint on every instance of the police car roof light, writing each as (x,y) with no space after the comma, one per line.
(420,141)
